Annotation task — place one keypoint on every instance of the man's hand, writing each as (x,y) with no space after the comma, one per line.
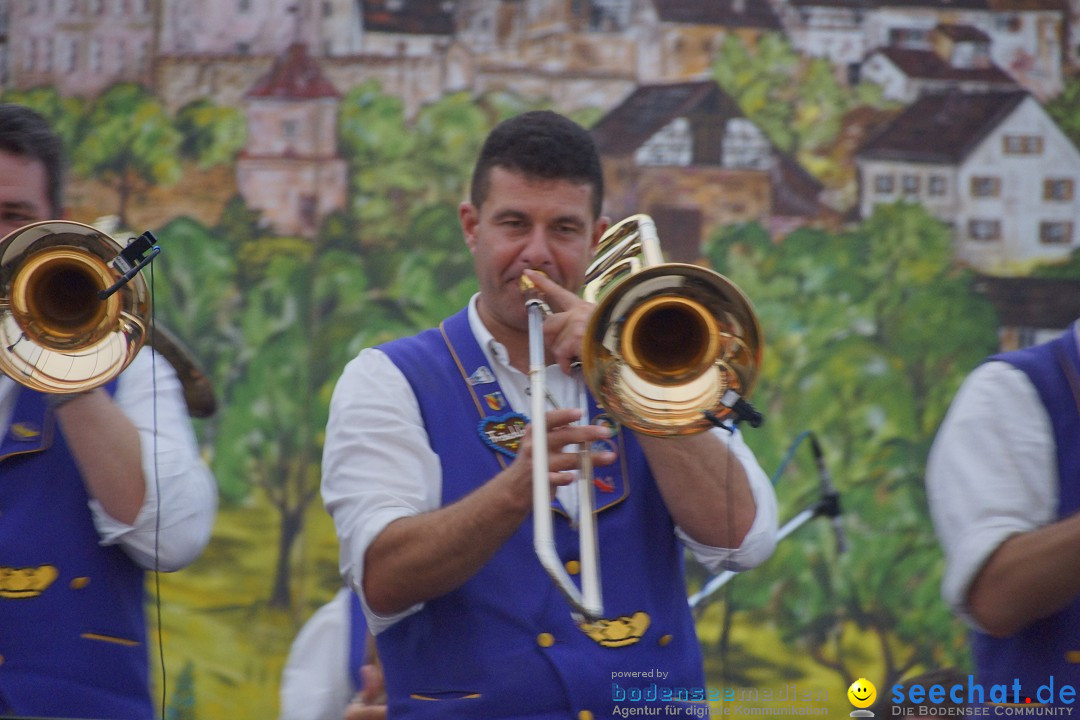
(564,331)
(369,703)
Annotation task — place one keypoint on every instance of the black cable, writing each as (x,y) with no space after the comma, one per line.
(157,497)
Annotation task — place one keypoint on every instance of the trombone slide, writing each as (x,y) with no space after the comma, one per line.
(586,601)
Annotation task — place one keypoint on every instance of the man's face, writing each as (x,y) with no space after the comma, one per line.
(23,195)
(546,225)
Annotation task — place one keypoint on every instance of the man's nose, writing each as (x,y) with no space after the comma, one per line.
(537,250)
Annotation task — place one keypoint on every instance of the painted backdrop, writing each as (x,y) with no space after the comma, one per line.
(893,184)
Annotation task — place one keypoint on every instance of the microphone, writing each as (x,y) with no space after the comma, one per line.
(830,499)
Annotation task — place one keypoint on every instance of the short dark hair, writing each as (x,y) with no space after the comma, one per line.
(540,144)
(27,133)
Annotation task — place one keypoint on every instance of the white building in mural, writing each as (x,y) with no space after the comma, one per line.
(290,169)
(80,47)
(1025,36)
(993,165)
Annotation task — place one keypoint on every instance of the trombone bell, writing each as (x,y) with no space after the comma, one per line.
(56,334)
(669,343)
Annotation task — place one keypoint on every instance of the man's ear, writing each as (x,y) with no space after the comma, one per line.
(469,216)
(601,226)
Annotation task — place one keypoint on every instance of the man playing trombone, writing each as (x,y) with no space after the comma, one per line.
(428,473)
(96,487)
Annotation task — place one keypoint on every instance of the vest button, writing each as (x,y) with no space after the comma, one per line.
(573,567)
(79,583)
(664,640)
(545,640)
(1072,656)
(585,715)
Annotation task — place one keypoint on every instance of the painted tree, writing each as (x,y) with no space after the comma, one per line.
(868,335)
(131,144)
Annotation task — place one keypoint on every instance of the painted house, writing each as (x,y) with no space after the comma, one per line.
(80,47)
(993,165)
(290,169)
(1031,310)
(1026,37)
(958,60)
(686,155)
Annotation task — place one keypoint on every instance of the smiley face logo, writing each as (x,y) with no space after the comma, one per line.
(862,693)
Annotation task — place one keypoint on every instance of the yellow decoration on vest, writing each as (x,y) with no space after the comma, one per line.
(617,632)
(26,582)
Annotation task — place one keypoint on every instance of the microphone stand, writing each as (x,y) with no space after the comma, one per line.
(828,505)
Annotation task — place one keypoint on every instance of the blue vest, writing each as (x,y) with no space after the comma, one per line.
(505,643)
(80,648)
(1042,649)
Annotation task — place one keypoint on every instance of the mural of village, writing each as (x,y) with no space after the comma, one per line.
(893,182)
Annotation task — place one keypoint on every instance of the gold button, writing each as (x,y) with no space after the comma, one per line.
(664,640)
(545,640)
(1,659)
(1072,656)
(585,715)
(79,583)
(573,567)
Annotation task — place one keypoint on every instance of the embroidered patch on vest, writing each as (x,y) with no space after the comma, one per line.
(617,632)
(503,433)
(28,582)
(481,376)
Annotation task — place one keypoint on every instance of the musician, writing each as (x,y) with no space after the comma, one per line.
(429,479)
(95,489)
(1003,483)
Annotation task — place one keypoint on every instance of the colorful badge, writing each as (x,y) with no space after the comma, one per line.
(503,433)
(481,376)
(495,401)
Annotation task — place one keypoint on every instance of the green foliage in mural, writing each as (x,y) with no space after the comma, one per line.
(798,102)
(131,144)
(868,334)
(212,134)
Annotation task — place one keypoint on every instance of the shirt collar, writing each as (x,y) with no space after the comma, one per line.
(494,351)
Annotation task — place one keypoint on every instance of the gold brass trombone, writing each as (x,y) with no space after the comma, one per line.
(57,333)
(670,349)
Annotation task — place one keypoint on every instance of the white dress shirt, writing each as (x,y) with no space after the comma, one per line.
(378,465)
(171,462)
(991,473)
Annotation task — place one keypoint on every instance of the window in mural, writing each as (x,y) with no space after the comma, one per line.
(1055,232)
(983,186)
(936,186)
(884,184)
(984,230)
(1023,144)
(1058,189)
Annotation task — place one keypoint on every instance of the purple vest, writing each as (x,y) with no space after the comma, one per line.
(505,644)
(1039,651)
(80,649)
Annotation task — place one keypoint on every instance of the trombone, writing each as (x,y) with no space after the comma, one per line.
(670,349)
(74,312)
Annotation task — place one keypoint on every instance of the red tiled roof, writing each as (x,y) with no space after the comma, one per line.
(295,75)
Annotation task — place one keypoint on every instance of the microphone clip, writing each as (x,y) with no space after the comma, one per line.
(139,253)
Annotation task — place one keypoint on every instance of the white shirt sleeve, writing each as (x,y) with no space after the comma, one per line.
(991,473)
(315,684)
(175,524)
(760,541)
(377,463)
